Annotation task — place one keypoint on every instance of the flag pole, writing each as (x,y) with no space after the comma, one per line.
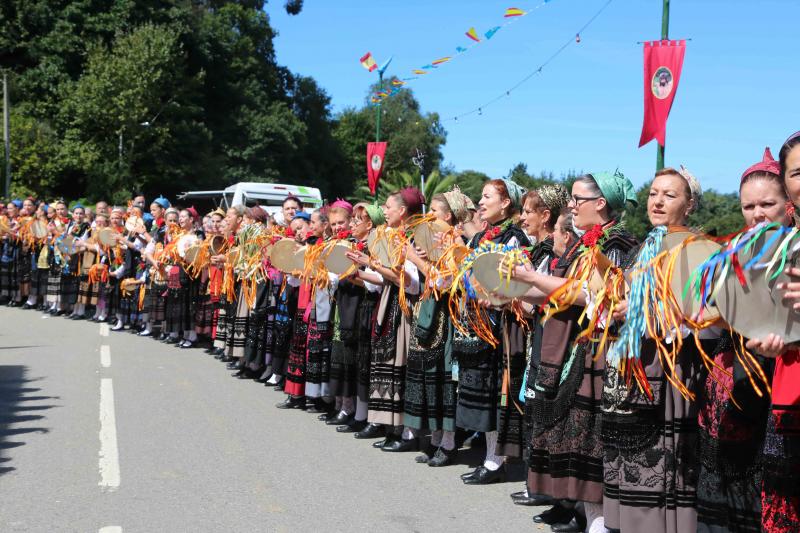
(664,36)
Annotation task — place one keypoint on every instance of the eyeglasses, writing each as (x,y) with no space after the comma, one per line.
(579,200)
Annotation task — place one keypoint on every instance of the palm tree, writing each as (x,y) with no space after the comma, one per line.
(394,181)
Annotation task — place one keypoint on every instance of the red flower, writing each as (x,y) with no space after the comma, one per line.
(344,234)
(495,231)
(290,233)
(553,263)
(360,246)
(309,234)
(591,237)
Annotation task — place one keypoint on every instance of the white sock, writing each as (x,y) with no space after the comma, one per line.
(347,405)
(174,335)
(31,300)
(436,438)
(362,409)
(274,379)
(594,517)
(190,335)
(448,440)
(409,433)
(78,309)
(493,461)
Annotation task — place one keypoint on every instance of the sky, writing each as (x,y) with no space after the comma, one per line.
(583,112)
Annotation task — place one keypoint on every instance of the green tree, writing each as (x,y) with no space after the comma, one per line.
(436,183)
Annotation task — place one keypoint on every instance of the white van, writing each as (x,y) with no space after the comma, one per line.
(270,196)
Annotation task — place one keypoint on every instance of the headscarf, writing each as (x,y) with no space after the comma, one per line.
(18,203)
(767,164)
(218,211)
(616,188)
(458,204)
(342,204)
(694,188)
(413,198)
(515,192)
(193,213)
(375,214)
(554,196)
(76,206)
(163,202)
(302,215)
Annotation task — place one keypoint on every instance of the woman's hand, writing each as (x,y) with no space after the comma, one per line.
(792,288)
(770,346)
(620,311)
(357,257)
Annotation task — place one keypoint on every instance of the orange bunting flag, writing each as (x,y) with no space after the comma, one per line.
(440,61)
(368,62)
(398,83)
(514,12)
(419,71)
(472,34)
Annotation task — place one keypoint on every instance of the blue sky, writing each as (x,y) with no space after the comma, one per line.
(737,93)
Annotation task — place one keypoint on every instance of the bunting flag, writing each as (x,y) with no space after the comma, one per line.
(419,72)
(663,61)
(472,34)
(460,49)
(398,83)
(368,62)
(514,12)
(489,34)
(440,61)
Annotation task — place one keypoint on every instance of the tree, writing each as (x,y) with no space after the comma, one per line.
(436,183)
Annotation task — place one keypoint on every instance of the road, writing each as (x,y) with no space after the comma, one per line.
(110,432)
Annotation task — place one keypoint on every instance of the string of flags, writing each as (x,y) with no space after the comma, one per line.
(510,16)
(576,39)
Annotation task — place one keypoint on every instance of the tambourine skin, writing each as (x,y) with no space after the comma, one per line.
(282,255)
(758,309)
(486,270)
(379,248)
(425,238)
(690,257)
(336,260)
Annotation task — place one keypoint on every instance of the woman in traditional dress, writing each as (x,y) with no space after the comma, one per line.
(155,284)
(391,332)
(650,427)
(41,263)
(180,291)
(480,366)
(9,284)
(566,454)
(430,395)
(780,498)
(25,254)
(358,335)
(542,210)
(733,417)
(57,228)
(298,348)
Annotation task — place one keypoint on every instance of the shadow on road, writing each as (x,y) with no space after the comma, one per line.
(17,416)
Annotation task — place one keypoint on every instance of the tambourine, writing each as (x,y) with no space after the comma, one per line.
(486,269)
(425,238)
(39,230)
(218,245)
(336,260)
(87,262)
(134,224)
(283,256)
(757,309)
(685,258)
(107,237)
(379,246)
(184,243)
(5,226)
(66,245)
(191,253)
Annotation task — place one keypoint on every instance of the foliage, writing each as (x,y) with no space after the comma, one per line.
(436,183)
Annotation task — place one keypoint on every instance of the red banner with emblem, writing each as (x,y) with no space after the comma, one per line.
(375,155)
(663,61)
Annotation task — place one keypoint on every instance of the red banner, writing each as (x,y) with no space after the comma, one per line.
(663,61)
(375,154)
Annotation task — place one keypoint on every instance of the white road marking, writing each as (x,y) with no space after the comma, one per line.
(109,453)
(104,329)
(110,529)
(105,355)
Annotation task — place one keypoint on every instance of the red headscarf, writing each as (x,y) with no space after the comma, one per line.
(767,164)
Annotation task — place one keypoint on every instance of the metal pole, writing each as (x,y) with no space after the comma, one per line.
(664,36)
(7,133)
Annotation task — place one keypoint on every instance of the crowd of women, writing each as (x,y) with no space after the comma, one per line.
(573,383)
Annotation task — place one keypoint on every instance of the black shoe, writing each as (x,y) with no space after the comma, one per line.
(484,476)
(536,500)
(383,442)
(246,373)
(219,356)
(27,306)
(12,303)
(338,420)
(353,427)
(233,365)
(171,340)
(161,337)
(442,457)
(61,312)
(292,403)
(576,525)
(186,344)
(469,474)
(401,445)
(218,352)
(227,359)
(321,406)
(557,514)
(426,456)
(372,431)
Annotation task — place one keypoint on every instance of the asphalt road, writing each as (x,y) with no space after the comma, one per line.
(111,432)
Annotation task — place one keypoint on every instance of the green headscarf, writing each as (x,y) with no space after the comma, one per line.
(616,188)
(515,192)
(375,214)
